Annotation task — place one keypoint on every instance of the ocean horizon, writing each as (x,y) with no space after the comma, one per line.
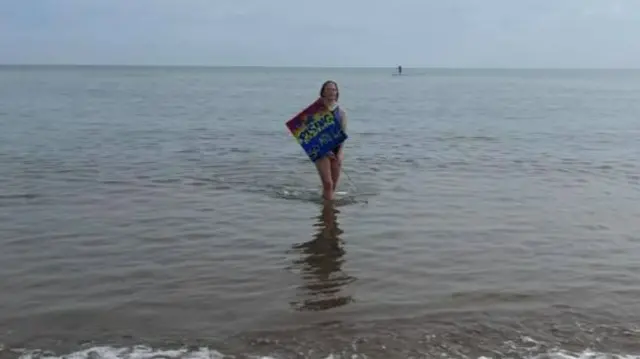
(325,67)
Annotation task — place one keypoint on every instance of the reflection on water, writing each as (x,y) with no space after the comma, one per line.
(320,265)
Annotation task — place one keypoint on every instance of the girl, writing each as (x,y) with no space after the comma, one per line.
(330,165)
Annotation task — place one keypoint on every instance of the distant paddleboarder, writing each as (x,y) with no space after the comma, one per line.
(399,70)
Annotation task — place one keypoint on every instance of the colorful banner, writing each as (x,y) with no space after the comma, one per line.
(317,130)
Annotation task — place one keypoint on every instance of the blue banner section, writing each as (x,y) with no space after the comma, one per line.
(317,131)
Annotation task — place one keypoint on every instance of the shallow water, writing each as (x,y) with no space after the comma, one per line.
(144,211)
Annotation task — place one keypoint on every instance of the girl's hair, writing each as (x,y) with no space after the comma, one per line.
(324,85)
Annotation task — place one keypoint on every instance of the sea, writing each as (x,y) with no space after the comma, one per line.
(167,212)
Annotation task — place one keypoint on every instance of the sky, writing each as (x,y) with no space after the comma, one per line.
(360,33)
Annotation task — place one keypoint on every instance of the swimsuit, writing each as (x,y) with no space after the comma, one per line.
(336,115)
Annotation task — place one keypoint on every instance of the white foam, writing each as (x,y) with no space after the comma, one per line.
(587,354)
(144,352)
(137,352)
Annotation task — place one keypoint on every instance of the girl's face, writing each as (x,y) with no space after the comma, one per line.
(330,92)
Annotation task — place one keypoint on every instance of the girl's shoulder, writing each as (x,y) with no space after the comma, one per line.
(339,110)
(342,113)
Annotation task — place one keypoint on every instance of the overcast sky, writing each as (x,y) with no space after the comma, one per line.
(423,33)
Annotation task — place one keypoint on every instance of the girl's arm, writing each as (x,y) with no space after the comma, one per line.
(343,123)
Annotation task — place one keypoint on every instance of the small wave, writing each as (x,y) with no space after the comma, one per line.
(144,352)
(18,196)
(462,138)
(137,352)
(586,354)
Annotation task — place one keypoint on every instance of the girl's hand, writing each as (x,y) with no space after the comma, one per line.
(339,157)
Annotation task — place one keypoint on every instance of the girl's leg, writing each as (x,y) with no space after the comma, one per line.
(323,165)
(336,168)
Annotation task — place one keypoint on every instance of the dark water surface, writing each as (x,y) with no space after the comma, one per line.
(167,212)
